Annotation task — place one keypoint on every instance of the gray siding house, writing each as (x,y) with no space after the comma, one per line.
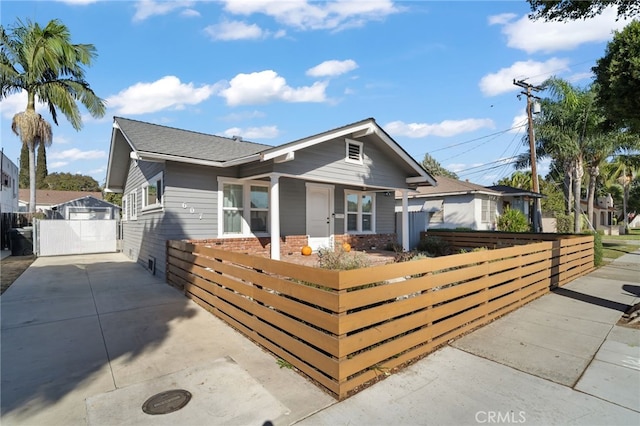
(455,204)
(326,189)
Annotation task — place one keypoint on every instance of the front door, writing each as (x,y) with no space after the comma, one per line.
(319,216)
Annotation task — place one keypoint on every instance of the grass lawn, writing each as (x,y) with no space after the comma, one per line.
(615,246)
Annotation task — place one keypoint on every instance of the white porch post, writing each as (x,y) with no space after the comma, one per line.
(405,220)
(274,216)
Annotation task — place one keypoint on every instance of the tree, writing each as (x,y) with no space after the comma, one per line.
(623,170)
(567,129)
(570,10)
(71,182)
(618,77)
(41,167)
(518,179)
(44,63)
(434,168)
(23,178)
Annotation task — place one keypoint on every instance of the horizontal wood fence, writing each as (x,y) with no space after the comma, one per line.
(571,257)
(346,329)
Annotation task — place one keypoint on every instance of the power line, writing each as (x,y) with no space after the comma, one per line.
(479,138)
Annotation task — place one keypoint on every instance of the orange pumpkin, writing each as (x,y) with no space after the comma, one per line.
(346,247)
(306,251)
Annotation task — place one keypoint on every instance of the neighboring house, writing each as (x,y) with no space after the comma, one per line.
(9,185)
(47,200)
(604,213)
(461,204)
(322,190)
(85,208)
(516,198)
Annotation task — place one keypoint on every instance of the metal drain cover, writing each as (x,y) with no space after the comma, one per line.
(166,402)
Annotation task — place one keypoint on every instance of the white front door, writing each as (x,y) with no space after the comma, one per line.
(319,216)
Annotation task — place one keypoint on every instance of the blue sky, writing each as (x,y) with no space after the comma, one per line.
(436,75)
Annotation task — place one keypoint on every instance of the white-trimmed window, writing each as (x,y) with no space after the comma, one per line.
(244,207)
(360,212)
(488,211)
(132,206)
(125,204)
(152,193)
(354,152)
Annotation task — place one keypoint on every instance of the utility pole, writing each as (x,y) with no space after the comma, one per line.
(537,215)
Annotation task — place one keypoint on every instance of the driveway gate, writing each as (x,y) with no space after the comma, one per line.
(61,237)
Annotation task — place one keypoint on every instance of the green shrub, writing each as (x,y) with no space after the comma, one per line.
(513,220)
(341,260)
(564,223)
(435,246)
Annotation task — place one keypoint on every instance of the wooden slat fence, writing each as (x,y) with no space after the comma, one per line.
(345,329)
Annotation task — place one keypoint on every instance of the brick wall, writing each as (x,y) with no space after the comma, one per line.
(367,241)
(259,246)
(292,244)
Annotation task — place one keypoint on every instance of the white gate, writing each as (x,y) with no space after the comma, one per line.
(61,237)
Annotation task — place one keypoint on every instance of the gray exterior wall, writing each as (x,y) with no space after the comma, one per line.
(325,162)
(190,204)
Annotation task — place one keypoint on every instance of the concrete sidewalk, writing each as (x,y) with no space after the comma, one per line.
(87,339)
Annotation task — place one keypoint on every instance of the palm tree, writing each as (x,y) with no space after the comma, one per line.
(566,130)
(623,170)
(44,63)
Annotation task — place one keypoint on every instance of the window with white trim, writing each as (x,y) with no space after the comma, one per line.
(488,211)
(354,152)
(132,214)
(360,212)
(124,208)
(152,193)
(244,207)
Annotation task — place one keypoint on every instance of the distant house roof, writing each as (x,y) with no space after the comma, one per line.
(449,186)
(51,198)
(514,192)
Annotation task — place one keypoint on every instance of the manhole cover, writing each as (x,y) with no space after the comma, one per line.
(166,402)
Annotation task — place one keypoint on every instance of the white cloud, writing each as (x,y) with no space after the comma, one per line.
(305,15)
(252,133)
(332,68)
(57,164)
(242,116)
(445,128)
(75,154)
(17,102)
(541,36)
(267,86)
(519,123)
(190,13)
(234,30)
(535,72)
(148,8)
(166,93)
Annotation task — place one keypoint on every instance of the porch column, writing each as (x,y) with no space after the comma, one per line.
(274,216)
(405,220)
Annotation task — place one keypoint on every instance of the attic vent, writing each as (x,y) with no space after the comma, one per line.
(237,138)
(354,152)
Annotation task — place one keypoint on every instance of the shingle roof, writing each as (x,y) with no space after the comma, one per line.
(510,190)
(447,185)
(158,139)
(52,198)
